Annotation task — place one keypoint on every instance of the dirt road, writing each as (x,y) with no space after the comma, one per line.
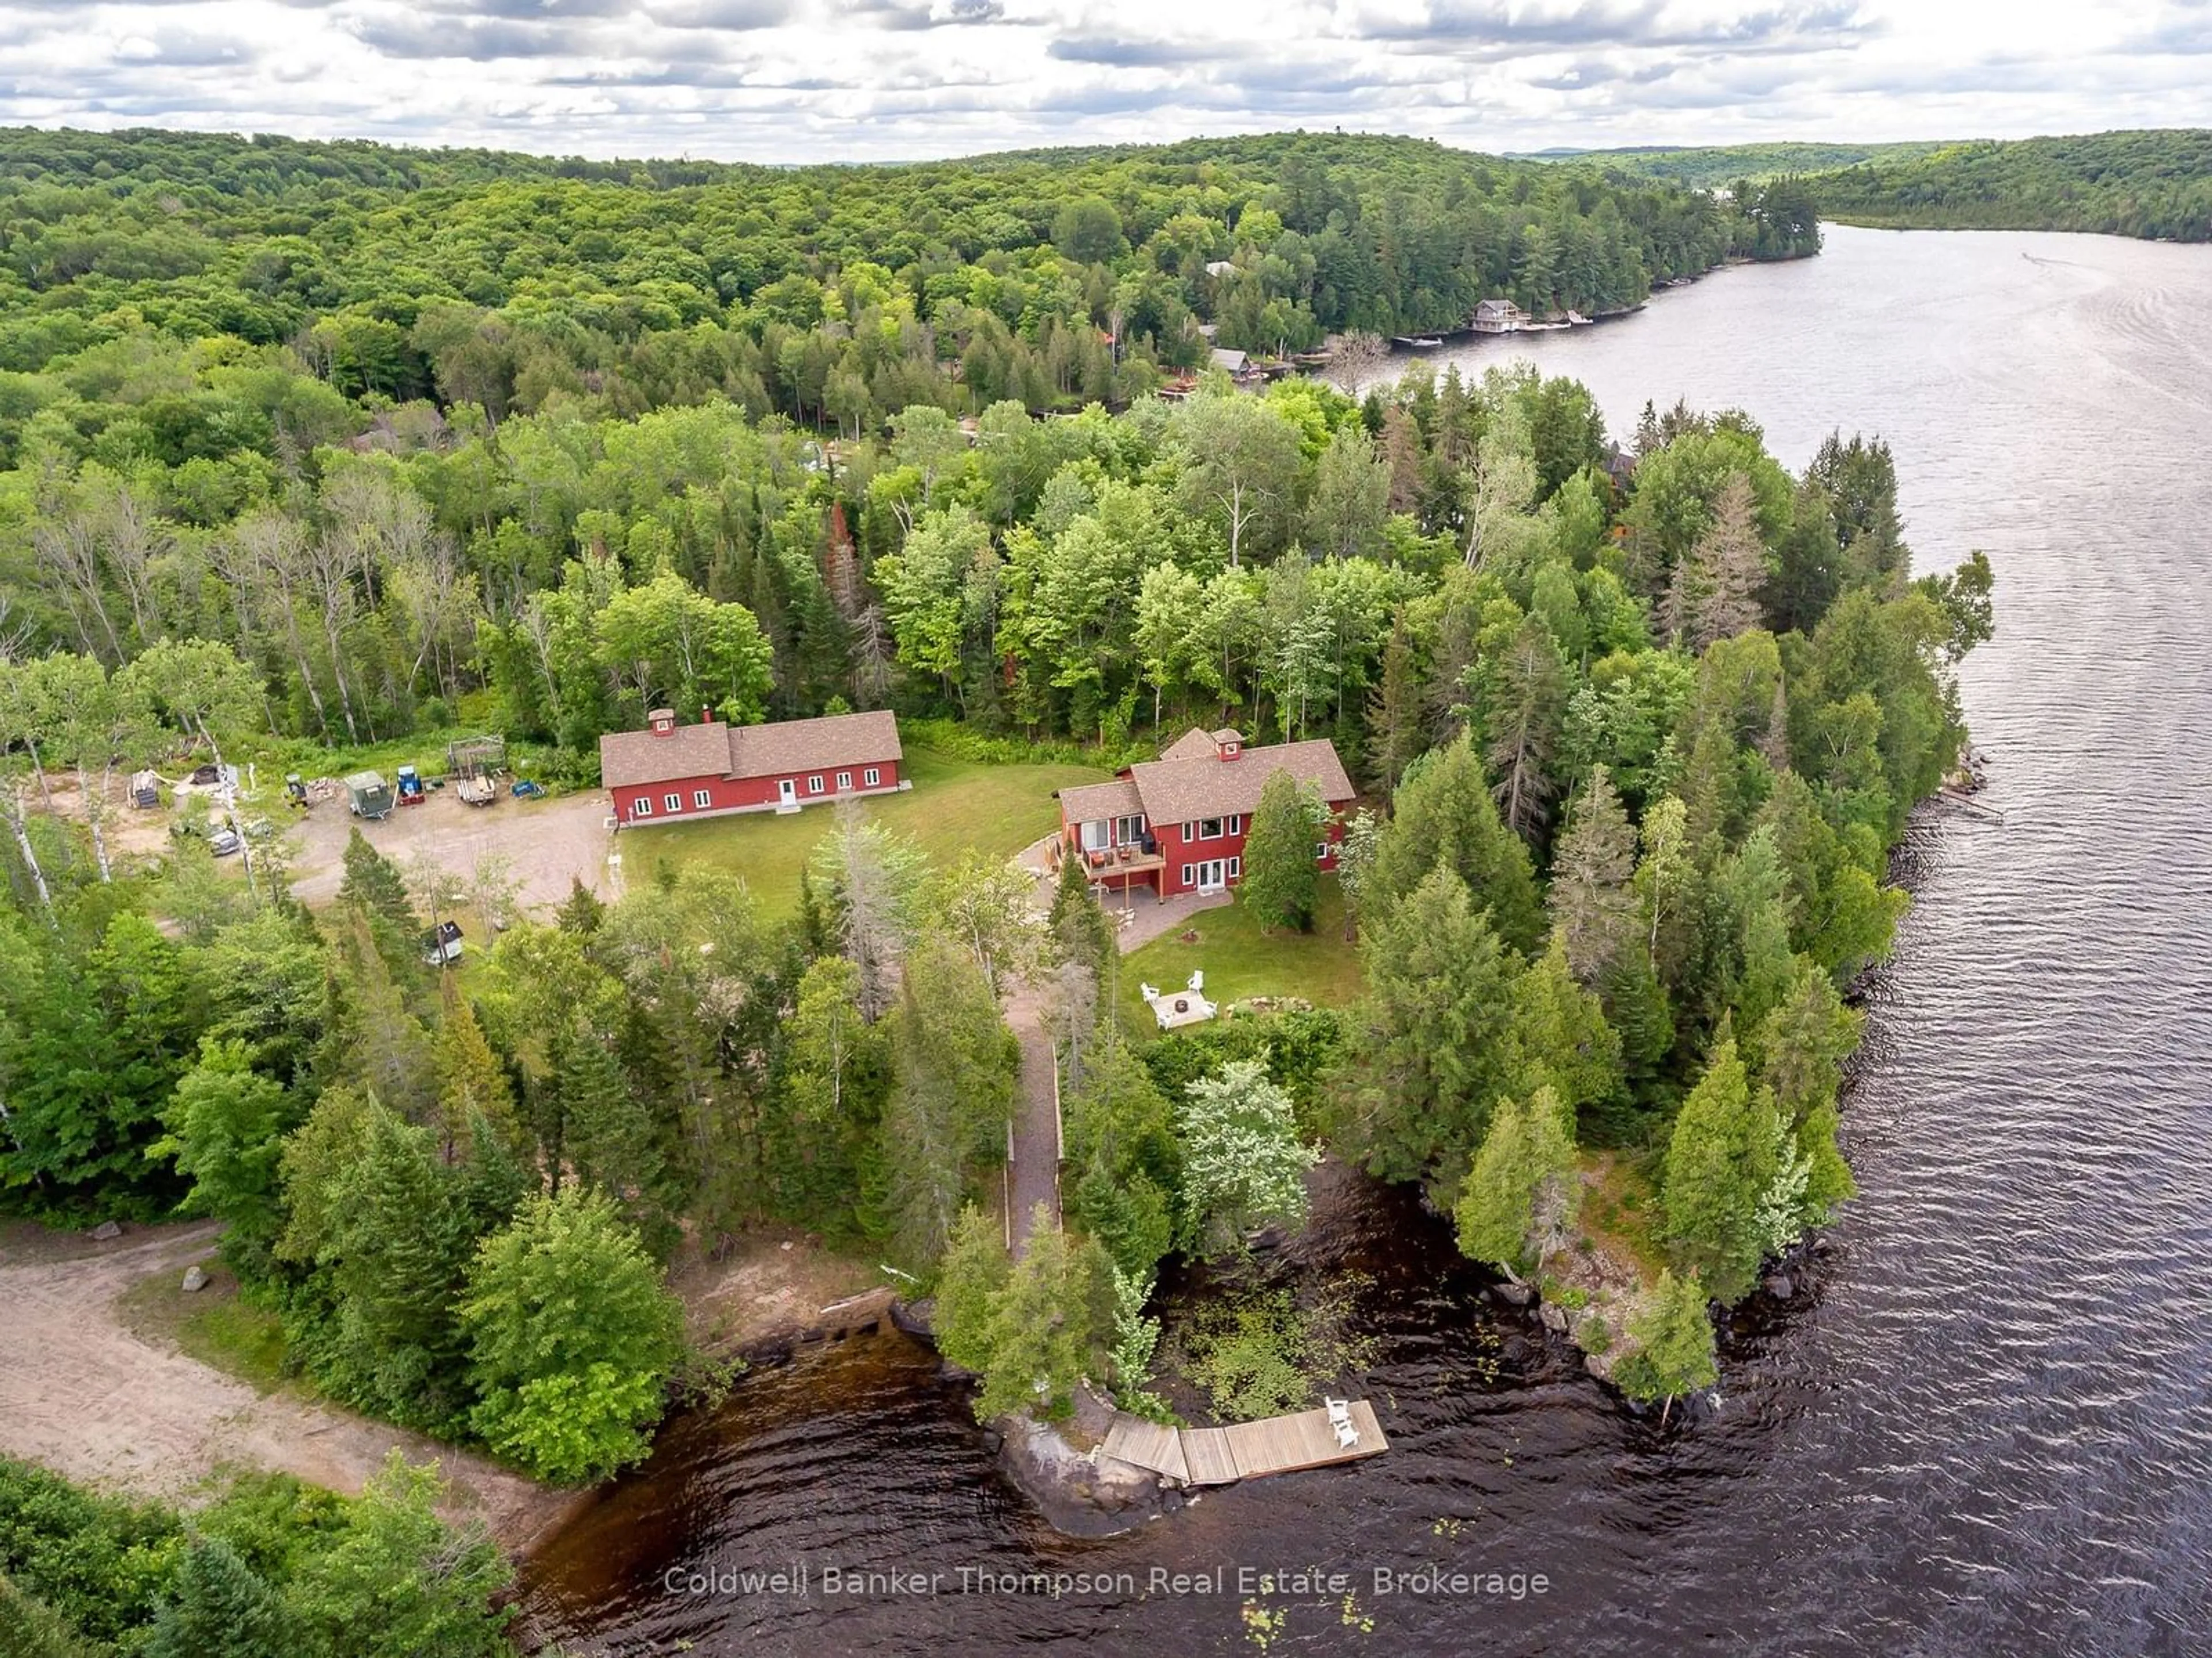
(84,1396)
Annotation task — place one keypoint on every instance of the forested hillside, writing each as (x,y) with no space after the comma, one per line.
(2152,184)
(830,294)
(1702,166)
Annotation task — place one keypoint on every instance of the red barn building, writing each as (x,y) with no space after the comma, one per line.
(1178,824)
(670,772)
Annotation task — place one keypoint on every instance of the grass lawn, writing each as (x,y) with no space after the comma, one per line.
(213,1326)
(953,805)
(1240,960)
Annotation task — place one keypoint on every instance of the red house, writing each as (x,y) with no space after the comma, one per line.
(1178,824)
(671,772)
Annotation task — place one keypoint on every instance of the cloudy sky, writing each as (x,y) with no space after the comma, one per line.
(815,80)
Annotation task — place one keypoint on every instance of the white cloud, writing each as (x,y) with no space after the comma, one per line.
(806,80)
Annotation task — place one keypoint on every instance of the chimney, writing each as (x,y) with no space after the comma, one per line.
(1227,744)
(706,714)
(662,721)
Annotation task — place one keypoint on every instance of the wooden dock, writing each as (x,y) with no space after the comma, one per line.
(1247,1450)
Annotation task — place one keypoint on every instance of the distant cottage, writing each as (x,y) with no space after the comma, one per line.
(712,768)
(1499,317)
(1178,824)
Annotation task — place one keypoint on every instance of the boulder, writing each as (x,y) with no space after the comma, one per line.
(1780,1285)
(1555,1318)
(106,1231)
(1514,1295)
(196,1280)
(1079,1496)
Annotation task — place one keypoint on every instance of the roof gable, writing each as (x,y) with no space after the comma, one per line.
(1184,789)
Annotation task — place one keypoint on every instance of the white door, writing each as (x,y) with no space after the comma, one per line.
(1213,875)
(787,792)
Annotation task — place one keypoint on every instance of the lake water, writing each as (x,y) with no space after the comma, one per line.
(1987,1429)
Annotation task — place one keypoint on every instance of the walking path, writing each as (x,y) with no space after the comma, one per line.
(1034,1166)
(1033,1148)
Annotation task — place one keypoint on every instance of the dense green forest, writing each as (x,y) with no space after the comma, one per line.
(269,1569)
(2149,184)
(357,441)
(832,295)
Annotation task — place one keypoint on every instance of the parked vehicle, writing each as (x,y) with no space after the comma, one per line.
(476,791)
(224,842)
(524,789)
(295,790)
(410,787)
(145,789)
(442,945)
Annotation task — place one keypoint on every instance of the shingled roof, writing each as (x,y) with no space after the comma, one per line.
(835,739)
(715,749)
(1208,787)
(1087,803)
(629,758)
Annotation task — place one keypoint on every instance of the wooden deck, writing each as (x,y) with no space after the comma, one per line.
(1248,1450)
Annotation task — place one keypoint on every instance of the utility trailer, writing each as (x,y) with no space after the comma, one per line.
(368,795)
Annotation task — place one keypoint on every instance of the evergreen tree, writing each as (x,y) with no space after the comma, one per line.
(471,1082)
(954,1061)
(1519,1200)
(611,1139)
(1395,733)
(1721,1161)
(1564,1036)
(1433,1044)
(374,886)
(581,911)
(1082,932)
(1524,705)
(1281,884)
(1047,1326)
(392,1251)
(1444,814)
(1592,906)
(970,1279)
(376,1037)
(223,1609)
(1674,1338)
(1121,1145)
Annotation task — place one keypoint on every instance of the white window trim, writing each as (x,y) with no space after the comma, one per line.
(873,776)
(703,798)
(814,784)
(1321,851)
(1190,829)
(673,802)
(643,806)
(1235,869)
(844,782)
(1213,833)
(1190,875)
